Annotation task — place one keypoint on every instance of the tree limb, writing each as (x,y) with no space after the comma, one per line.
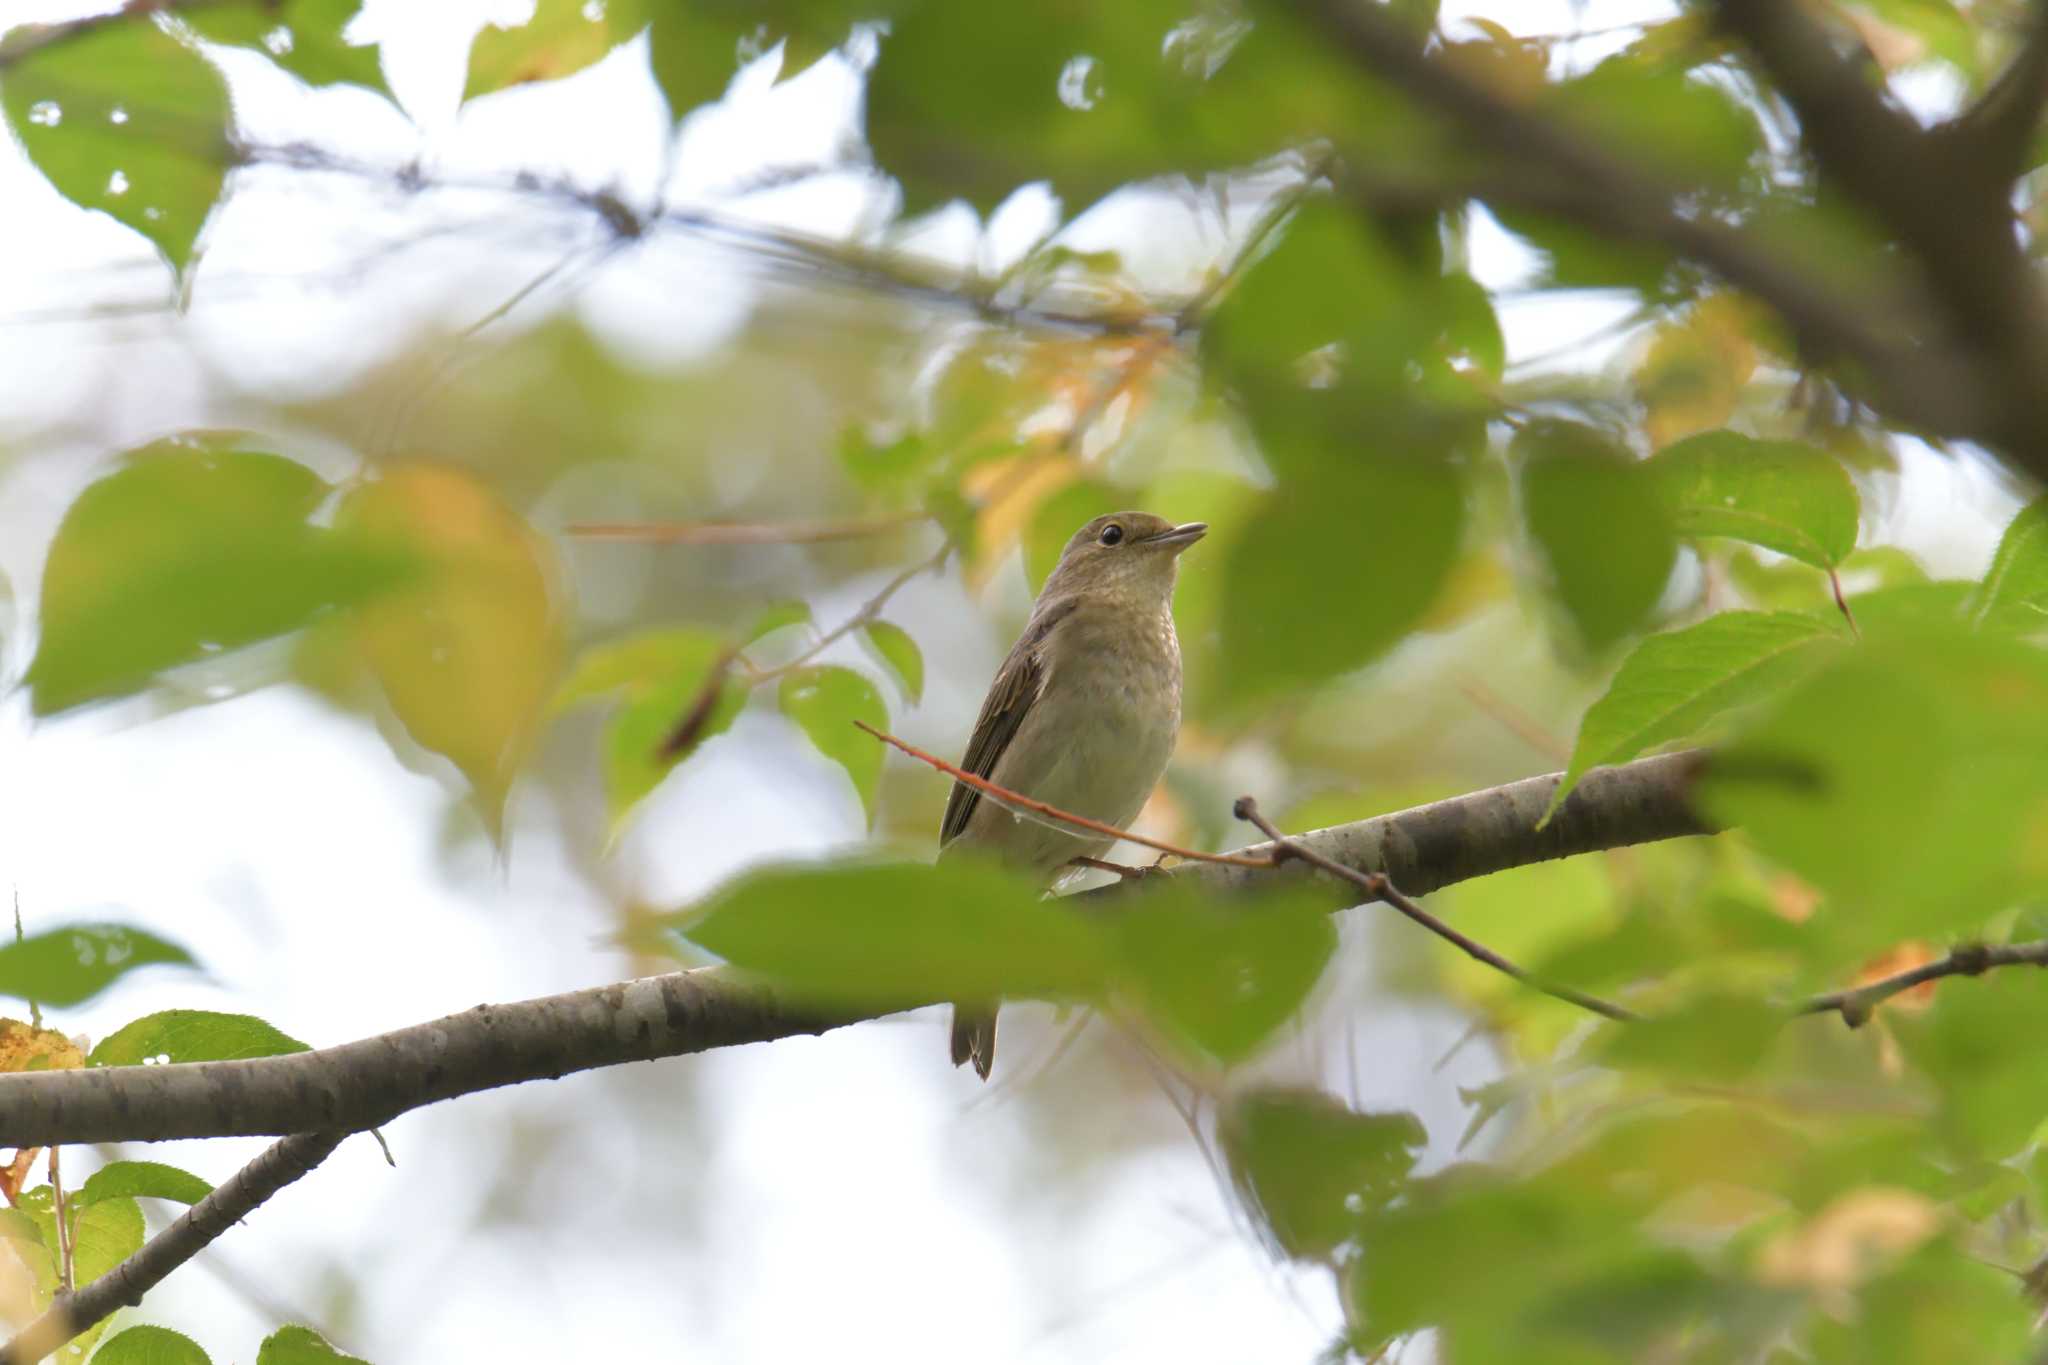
(369,1082)
(123,1286)
(1997,129)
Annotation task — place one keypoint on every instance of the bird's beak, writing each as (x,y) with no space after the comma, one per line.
(1180,537)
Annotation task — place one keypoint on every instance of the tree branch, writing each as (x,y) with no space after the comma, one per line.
(124,1285)
(2000,125)
(1855,1005)
(366,1083)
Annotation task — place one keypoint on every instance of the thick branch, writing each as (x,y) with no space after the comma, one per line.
(124,1285)
(362,1084)
(1998,127)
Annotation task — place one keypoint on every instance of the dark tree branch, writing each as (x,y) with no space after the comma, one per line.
(1998,128)
(124,1285)
(366,1083)
(1548,167)
(1855,1005)
(1377,887)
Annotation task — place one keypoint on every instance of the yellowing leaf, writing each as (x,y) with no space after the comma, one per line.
(24,1047)
(561,38)
(468,655)
(1695,371)
(1850,1239)
(1014,488)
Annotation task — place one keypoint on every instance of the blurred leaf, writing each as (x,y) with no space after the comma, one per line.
(1675,683)
(150,1179)
(1326,576)
(1938,1305)
(127,120)
(2017,581)
(1696,370)
(146,1345)
(780,616)
(187,549)
(1312,1167)
(876,465)
(305,37)
(301,1346)
(1783,495)
(24,1047)
(71,965)
(892,645)
(696,49)
(1592,509)
(659,678)
(884,936)
(103,1235)
(1698,131)
(561,38)
(1716,1037)
(1219,977)
(825,701)
(1973,1047)
(1963,719)
(192,1036)
(468,655)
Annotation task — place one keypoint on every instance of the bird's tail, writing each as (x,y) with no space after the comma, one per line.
(974,1037)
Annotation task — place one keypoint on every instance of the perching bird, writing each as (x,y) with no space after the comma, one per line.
(1082,715)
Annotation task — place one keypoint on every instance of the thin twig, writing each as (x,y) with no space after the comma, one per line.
(744,532)
(73,1312)
(868,611)
(1856,1004)
(1016,801)
(1377,887)
(1842,603)
(66,1258)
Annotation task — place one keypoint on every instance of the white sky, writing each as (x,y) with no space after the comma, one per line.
(850,1198)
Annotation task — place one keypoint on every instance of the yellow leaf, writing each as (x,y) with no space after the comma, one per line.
(1850,1239)
(1013,489)
(468,656)
(24,1047)
(1696,368)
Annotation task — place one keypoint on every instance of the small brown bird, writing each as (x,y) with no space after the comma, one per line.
(1082,715)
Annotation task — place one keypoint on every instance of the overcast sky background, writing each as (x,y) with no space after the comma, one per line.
(850,1198)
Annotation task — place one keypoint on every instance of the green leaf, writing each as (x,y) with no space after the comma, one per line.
(1783,495)
(1306,597)
(1311,1167)
(1674,684)
(301,1346)
(151,1179)
(561,38)
(2017,582)
(892,645)
(1592,509)
(1961,720)
(779,616)
(1717,1038)
(1992,1097)
(305,37)
(1218,978)
(147,1345)
(103,1235)
(71,965)
(878,465)
(188,549)
(127,120)
(896,935)
(825,701)
(664,678)
(696,49)
(191,1036)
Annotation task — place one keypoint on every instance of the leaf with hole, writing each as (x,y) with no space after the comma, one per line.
(72,964)
(192,1036)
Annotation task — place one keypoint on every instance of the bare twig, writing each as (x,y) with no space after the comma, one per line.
(66,1258)
(1856,1004)
(73,1312)
(744,532)
(1376,886)
(1017,801)
(868,611)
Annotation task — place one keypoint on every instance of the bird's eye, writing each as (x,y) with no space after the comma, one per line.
(1112,534)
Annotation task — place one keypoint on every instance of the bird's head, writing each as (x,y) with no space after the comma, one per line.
(1124,554)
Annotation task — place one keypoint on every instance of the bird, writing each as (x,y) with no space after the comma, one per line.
(1082,715)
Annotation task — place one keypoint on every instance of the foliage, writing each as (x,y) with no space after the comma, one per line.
(1694,544)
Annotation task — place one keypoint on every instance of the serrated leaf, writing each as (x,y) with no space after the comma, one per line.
(140,1179)
(126,120)
(71,965)
(892,645)
(305,37)
(187,549)
(467,654)
(1783,495)
(1592,509)
(301,1346)
(661,679)
(147,1345)
(2016,584)
(192,1036)
(825,701)
(899,935)
(561,38)
(1674,684)
(1311,1167)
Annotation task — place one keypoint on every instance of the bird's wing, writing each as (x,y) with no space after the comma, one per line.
(1018,683)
